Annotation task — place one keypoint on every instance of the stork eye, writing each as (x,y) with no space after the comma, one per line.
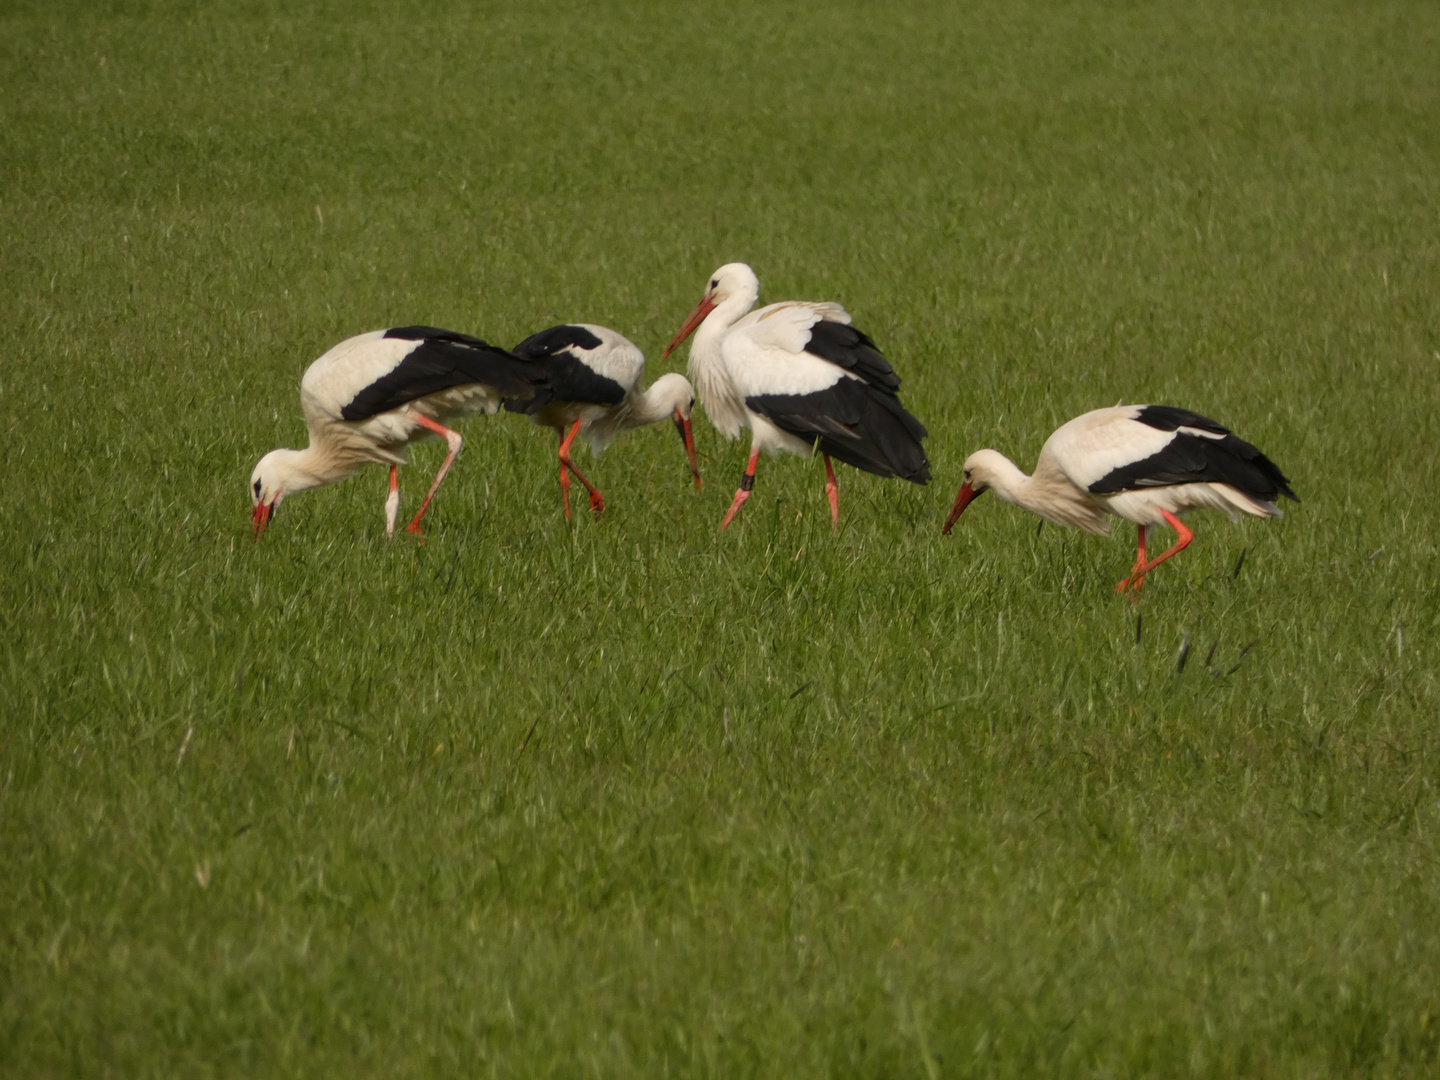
(715,283)
(257,489)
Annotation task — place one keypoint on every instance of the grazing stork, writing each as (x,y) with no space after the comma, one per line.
(801,378)
(1147,464)
(373,394)
(593,389)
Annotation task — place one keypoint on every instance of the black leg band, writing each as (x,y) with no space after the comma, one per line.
(747,482)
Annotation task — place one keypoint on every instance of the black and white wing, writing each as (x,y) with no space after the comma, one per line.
(1131,447)
(821,380)
(377,372)
(583,363)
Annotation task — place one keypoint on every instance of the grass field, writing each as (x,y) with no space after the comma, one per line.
(635,798)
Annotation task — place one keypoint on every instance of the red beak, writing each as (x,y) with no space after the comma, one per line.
(260,518)
(965,498)
(697,316)
(682,425)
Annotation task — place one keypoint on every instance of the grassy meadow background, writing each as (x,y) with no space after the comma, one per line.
(635,798)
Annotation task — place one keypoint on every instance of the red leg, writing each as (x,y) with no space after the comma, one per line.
(453,440)
(1139,567)
(832,492)
(1139,564)
(1185,536)
(392,501)
(564,476)
(747,484)
(597,503)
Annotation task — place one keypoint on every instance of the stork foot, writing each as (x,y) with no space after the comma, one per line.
(747,484)
(740,497)
(1137,572)
(1132,583)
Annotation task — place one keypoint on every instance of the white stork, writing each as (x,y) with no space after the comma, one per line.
(1147,464)
(593,389)
(373,394)
(801,378)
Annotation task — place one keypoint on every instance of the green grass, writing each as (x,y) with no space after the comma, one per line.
(631,797)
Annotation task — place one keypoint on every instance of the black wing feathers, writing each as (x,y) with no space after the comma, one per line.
(1169,418)
(442,359)
(567,377)
(551,341)
(859,421)
(849,348)
(434,333)
(1198,459)
(854,422)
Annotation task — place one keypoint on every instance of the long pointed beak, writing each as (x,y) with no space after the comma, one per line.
(697,316)
(260,518)
(682,425)
(965,498)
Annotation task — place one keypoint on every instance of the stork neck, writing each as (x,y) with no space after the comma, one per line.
(725,315)
(1010,483)
(312,467)
(651,406)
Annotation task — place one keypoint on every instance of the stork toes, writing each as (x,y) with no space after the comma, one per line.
(1141,567)
(740,496)
(747,485)
(597,501)
(1137,572)
(1135,581)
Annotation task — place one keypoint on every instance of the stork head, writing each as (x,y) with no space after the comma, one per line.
(732,281)
(277,474)
(981,470)
(674,395)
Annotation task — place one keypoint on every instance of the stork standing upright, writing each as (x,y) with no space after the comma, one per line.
(593,389)
(801,378)
(371,395)
(1147,464)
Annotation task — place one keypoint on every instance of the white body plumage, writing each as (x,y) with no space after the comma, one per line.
(802,379)
(371,395)
(593,389)
(1147,464)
